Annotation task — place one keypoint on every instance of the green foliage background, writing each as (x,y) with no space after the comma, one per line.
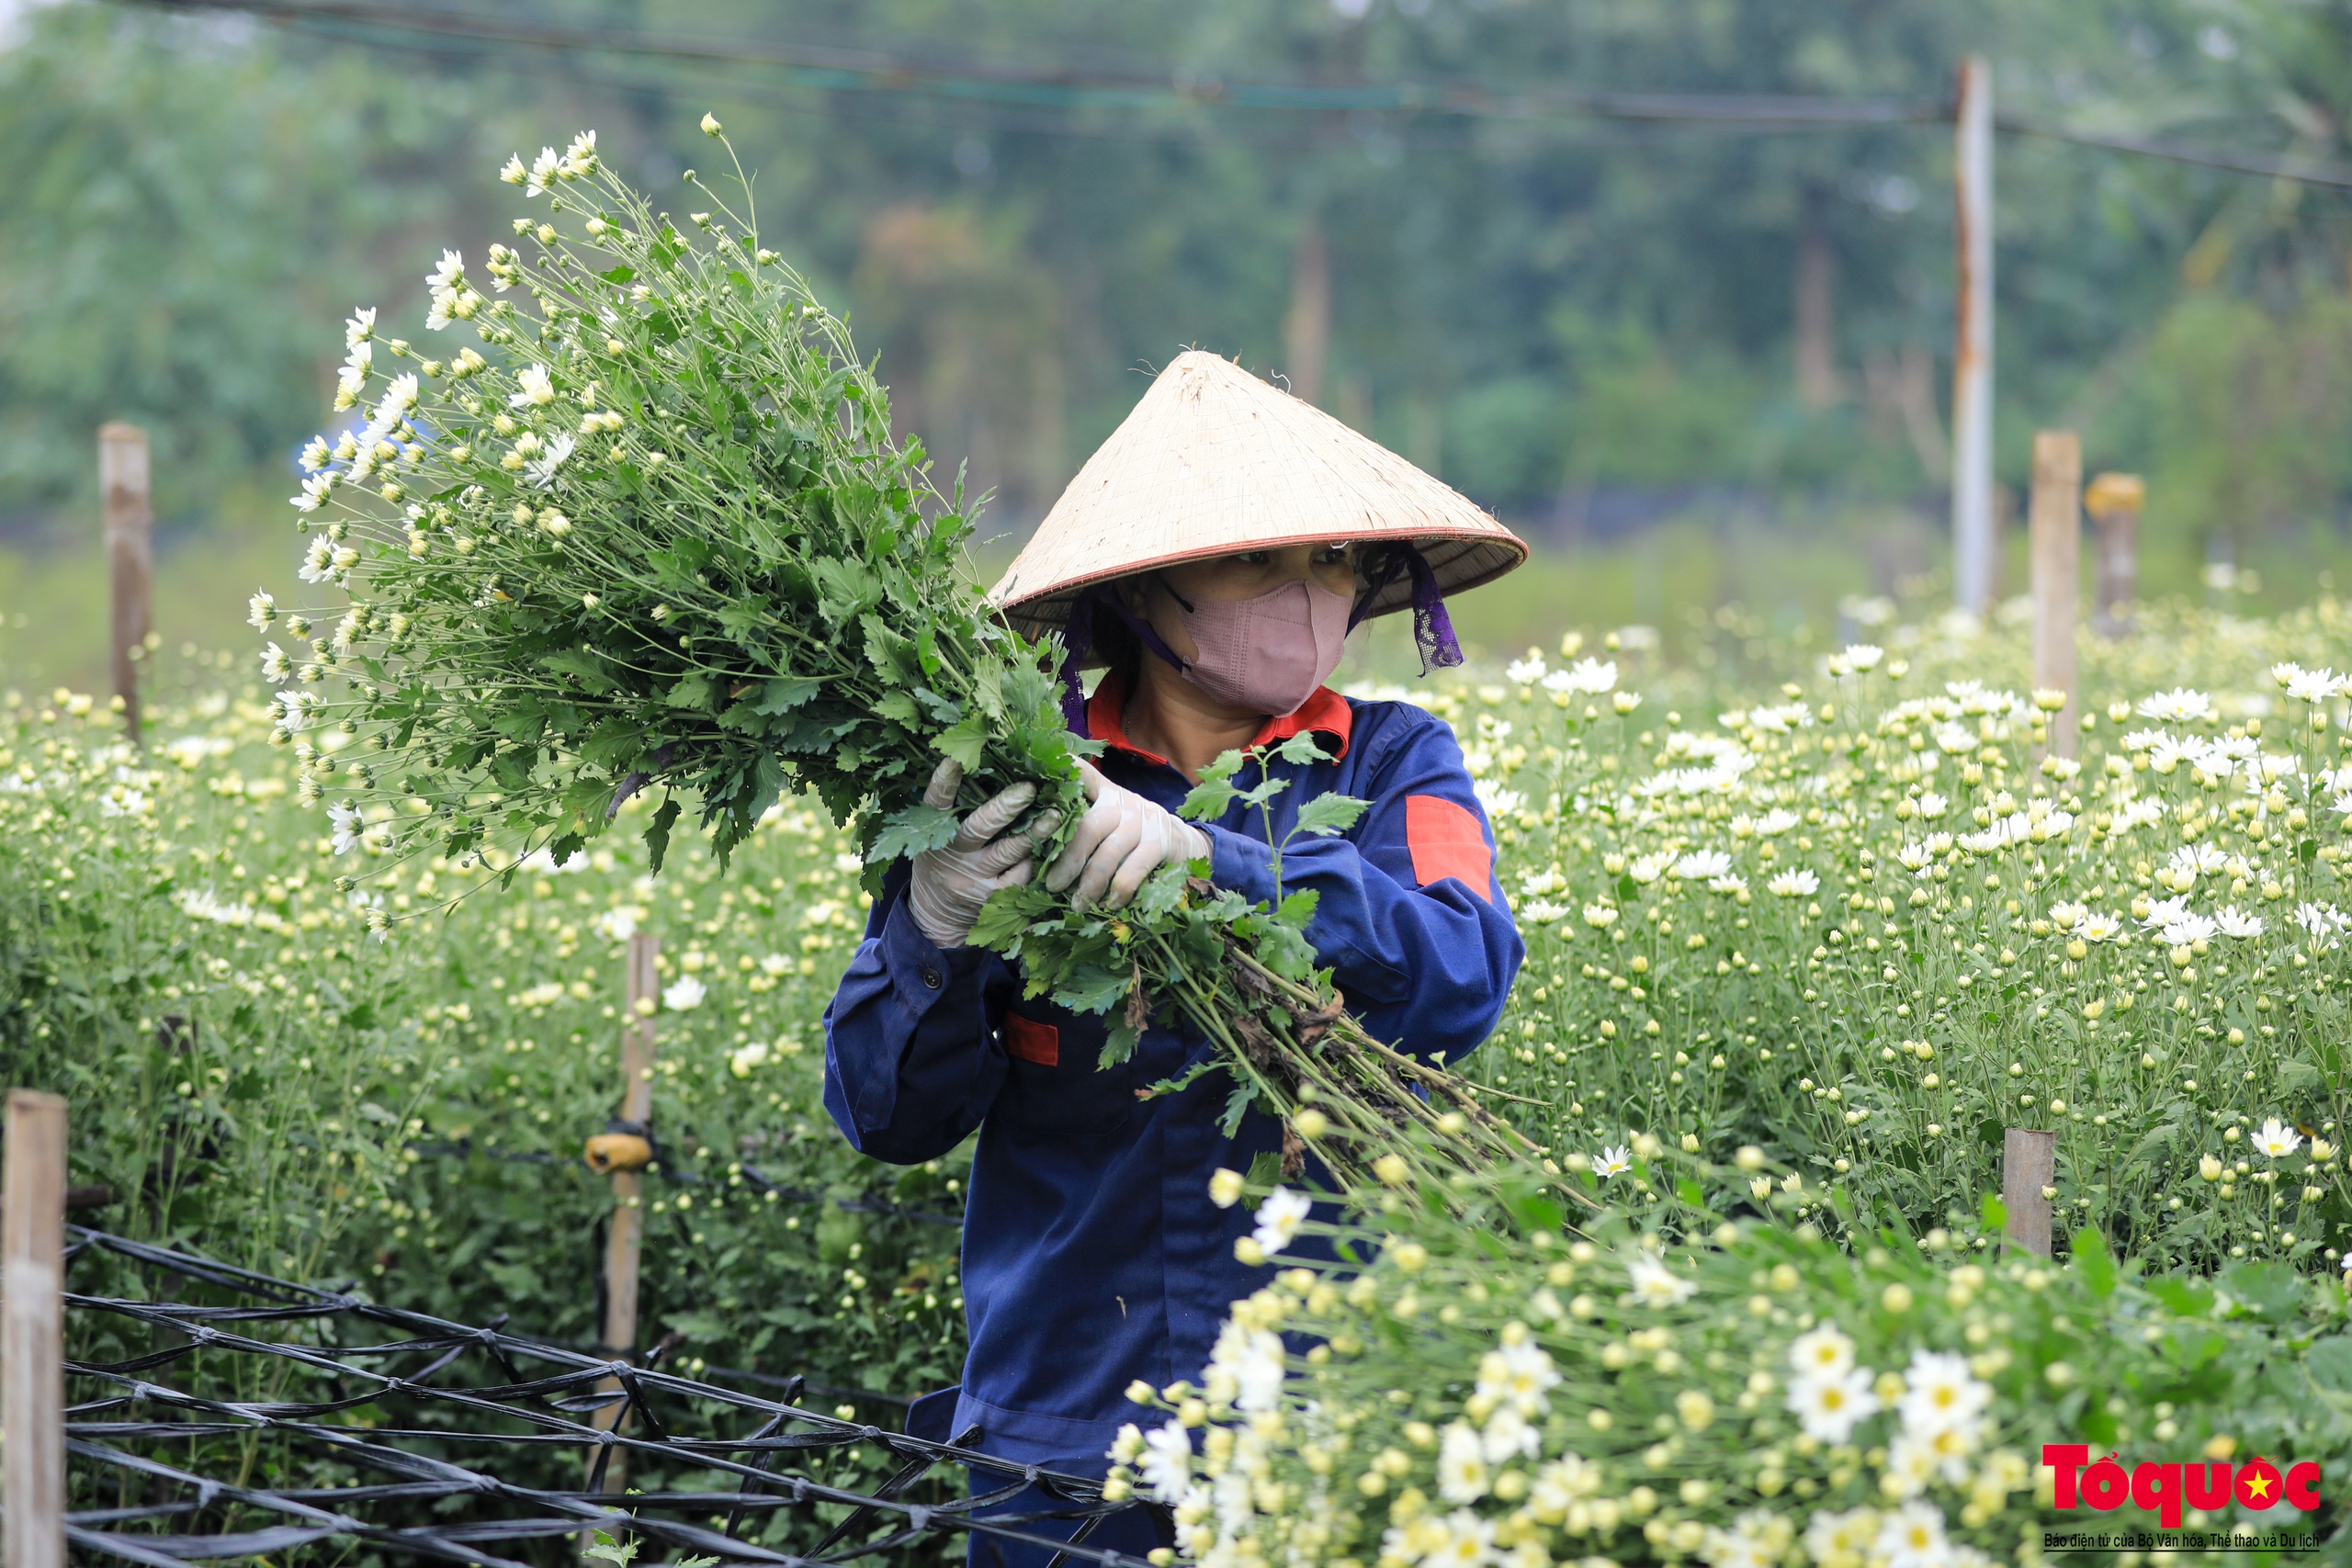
(1544,312)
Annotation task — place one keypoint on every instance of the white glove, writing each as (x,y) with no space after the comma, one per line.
(950,884)
(1122,839)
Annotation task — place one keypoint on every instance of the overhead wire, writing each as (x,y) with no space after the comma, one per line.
(1064,92)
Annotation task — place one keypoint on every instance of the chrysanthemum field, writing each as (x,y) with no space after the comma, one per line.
(1806,928)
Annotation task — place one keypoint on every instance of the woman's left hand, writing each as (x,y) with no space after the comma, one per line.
(1120,842)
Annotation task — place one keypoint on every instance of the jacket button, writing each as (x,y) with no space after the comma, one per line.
(931,978)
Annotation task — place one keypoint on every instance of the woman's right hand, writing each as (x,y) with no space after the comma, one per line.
(951,884)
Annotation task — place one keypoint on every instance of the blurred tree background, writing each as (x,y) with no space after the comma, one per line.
(1697,363)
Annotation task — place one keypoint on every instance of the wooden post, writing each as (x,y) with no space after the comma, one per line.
(2028,1166)
(32,1332)
(2056,520)
(625,1241)
(128,500)
(1973,541)
(2114,501)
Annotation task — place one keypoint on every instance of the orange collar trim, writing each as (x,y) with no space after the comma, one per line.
(1325,713)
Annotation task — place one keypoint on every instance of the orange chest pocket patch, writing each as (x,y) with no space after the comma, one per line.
(1030,1041)
(1446,840)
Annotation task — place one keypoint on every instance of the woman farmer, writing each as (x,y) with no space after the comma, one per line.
(1214,555)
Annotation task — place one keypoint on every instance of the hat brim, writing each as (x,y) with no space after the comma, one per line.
(1457,562)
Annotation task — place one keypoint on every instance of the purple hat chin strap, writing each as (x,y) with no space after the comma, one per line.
(1077,640)
(1432,628)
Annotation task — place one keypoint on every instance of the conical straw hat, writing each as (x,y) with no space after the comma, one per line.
(1213,461)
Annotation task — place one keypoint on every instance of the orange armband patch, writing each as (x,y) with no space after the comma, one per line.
(1031,1041)
(1447,839)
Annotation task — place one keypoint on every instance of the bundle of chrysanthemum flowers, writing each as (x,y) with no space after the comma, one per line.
(656,533)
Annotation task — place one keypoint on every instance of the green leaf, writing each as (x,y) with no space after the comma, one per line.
(1118,1044)
(694,691)
(1207,800)
(1093,989)
(845,590)
(2094,1262)
(911,831)
(786,692)
(2185,1298)
(1297,910)
(966,741)
(1302,748)
(2329,1362)
(1329,814)
(1009,912)
(656,833)
(2269,1287)
(1236,1106)
(1265,1168)
(583,666)
(619,1553)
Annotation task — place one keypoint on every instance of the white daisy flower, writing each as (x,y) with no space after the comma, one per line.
(1912,1537)
(1793,885)
(2179,706)
(1830,1408)
(2188,930)
(1460,1464)
(1520,1375)
(535,387)
(1590,677)
(541,469)
(1656,1285)
(2277,1139)
(2315,685)
(1821,1353)
(1702,863)
(684,994)
(1166,1465)
(2236,923)
(1841,1539)
(1941,1394)
(1279,1218)
(1615,1161)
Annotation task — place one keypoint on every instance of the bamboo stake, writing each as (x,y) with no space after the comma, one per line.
(2056,520)
(625,1241)
(32,1336)
(128,500)
(2029,1169)
(1972,539)
(2114,502)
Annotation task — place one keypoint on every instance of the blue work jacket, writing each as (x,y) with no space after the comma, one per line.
(1092,1256)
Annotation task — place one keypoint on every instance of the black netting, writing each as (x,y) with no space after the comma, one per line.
(219,1415)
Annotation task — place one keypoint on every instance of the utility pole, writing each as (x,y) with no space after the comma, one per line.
(1973,538)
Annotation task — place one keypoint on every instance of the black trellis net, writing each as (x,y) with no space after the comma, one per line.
(219,1415)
